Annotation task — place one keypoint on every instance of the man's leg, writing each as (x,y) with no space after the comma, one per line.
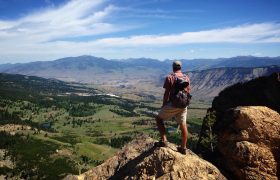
(161,129)
(184,131)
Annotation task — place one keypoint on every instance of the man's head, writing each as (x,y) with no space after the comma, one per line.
(177,65)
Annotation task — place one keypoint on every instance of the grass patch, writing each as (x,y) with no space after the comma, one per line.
(94,151)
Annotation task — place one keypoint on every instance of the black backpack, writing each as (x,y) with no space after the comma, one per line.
(178,97)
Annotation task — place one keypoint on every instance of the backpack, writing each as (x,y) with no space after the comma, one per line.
(178,96)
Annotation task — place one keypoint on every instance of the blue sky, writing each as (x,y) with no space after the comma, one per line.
(38,30)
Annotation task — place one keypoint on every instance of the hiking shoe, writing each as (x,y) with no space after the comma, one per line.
(161,144)
(182,150)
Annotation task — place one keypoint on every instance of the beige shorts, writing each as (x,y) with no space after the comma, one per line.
(168,111)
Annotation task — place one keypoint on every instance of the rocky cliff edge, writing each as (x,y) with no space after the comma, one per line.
(141,160)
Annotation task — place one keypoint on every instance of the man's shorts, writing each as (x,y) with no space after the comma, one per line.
(168,111)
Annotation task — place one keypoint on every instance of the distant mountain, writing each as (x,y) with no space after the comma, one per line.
(208,76)
(87,68)
(90,69)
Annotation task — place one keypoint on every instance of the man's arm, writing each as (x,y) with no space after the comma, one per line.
(165,97)
(167,87)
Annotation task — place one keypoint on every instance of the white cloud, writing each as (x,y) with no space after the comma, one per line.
(254,33)
(42,34)
(77,18)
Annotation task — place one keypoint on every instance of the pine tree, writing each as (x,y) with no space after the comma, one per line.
(207,138)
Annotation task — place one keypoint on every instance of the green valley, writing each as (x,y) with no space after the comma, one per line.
(50,128)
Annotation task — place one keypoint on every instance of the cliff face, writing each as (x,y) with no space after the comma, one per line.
(262,91)
(140,160)
(207,84)
(250,144)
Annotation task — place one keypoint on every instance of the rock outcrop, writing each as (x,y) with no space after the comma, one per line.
(240,133)
(141,160)
(250,144)
(262,91)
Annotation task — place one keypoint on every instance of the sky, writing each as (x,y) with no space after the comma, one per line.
(41,30)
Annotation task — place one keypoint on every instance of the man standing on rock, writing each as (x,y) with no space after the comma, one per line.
(174,105)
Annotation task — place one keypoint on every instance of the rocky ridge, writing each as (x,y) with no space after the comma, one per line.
(141,160)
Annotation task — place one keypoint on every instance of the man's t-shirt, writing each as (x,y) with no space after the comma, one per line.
(170,80)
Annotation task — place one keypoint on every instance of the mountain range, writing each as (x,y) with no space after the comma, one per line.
(88,62)
(144,76)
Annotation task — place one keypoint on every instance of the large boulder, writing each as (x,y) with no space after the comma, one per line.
(140,160)
(250,143)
